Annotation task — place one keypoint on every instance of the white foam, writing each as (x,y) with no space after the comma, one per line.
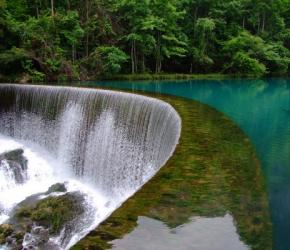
(7,144)
(43,172)
(40,177)
(98,207)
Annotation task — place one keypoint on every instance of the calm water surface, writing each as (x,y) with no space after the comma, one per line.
(262,109)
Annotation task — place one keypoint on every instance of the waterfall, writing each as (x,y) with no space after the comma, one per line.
(111,140)
(114,140)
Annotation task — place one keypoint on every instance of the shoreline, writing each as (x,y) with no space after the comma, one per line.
(151,77)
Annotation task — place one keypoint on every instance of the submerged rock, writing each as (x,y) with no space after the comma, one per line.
(14,164)
(34,221)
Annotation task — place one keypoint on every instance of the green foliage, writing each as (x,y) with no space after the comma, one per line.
(69,27)
(110,58)
(205,25)
(276,58)
(200,58)
(79,39)
(45,43)
(33,75)
(11,56)
(250,54)
(243,63)
(2,4)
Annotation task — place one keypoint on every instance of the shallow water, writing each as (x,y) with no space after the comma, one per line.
(262,109)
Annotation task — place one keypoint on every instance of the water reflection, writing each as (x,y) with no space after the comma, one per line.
(200,233)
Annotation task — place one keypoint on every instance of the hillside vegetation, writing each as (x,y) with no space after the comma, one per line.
(49,40)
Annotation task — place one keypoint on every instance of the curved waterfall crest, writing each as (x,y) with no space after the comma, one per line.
(113,140)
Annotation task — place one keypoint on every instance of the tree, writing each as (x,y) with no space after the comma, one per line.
(106,60)
(132,13)
(52,7)
(204,28)
(162,23)
(247,53)
(57,39)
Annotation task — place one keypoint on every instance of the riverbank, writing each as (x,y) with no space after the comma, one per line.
(133,77)
(167,76)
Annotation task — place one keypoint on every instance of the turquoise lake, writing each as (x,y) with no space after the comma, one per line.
(262,109)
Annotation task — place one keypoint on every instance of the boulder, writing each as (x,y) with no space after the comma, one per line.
(34,221)
(57,188)
(15,162)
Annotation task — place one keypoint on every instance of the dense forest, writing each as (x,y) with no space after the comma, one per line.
(49,40)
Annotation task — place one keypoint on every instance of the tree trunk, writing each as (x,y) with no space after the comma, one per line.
(132,58)
(87,45)
(135,57)
(87,22)
(194,20)
(68,5)
(263,22)
(243,22)
(37,12)
(52,7)
(73,53)
(158,54)
(143,63)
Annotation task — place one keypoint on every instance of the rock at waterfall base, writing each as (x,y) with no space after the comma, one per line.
(35,220)
(15,162)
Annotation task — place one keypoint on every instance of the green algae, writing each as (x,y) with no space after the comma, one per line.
(213,171)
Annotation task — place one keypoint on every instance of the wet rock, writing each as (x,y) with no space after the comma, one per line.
(38,236)
(10,237)
(14,155)
(57,188)
(35,220)
(5,231)
(14,163)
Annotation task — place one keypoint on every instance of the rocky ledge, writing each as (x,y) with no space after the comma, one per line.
(39,218)
(15,164)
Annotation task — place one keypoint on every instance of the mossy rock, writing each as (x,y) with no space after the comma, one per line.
(57,188)
(42,218)
(5,231)
(53,212)
(14,155)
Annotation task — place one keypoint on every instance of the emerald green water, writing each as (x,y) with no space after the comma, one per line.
(262,109)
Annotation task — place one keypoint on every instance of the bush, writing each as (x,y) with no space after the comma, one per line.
(249,54)
(243,63)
